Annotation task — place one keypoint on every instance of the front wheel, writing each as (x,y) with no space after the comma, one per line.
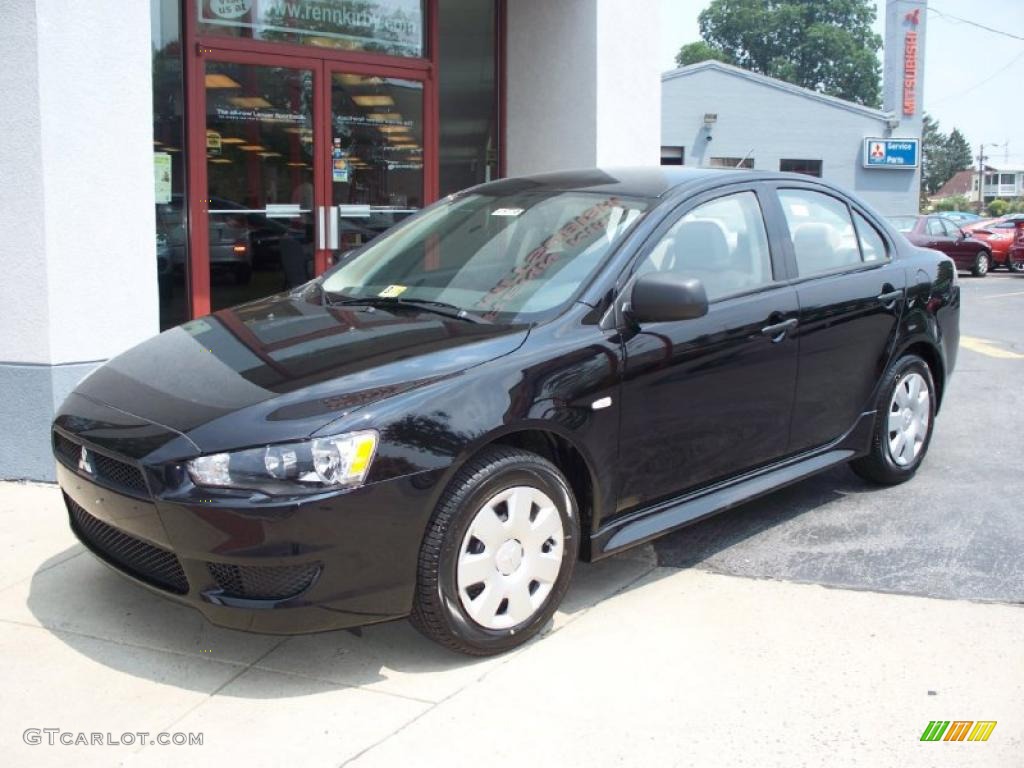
(498,554)
(904,416)
(1015,264)
(981,264)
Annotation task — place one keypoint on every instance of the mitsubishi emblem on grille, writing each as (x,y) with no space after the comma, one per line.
(85,462)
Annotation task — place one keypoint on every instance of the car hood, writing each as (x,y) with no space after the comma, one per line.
(283,367)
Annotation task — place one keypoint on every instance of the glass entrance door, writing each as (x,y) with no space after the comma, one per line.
(377,161)
(261,177)
(305,159)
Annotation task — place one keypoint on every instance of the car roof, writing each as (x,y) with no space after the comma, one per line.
(643,181)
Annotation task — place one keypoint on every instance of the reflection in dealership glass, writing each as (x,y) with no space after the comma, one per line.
(500,256)
(241,240)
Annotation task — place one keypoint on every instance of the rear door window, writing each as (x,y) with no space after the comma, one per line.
(821,231)
(872,244)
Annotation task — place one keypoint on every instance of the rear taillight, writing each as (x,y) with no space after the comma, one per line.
(239,248)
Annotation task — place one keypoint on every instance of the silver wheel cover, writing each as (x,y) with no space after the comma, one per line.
(909,414)
(510,557)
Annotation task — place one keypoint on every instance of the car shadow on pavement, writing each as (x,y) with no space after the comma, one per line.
(115,622)
(121,625)
(701,542)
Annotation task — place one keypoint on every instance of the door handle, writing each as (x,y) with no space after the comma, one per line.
(778,331)
(332,228)
(890,296)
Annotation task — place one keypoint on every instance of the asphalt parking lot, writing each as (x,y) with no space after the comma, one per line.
(801,629)
(955,531)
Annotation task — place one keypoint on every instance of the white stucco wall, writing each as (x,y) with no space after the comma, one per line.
(23,290)
(628,83)
(78,247)
(771,124)
(78,250)
(582,85)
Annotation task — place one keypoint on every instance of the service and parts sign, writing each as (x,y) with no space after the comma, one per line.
(892,153)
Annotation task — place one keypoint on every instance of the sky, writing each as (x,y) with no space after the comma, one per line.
(973,78)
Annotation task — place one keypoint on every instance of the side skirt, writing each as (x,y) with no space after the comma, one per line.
(648,523)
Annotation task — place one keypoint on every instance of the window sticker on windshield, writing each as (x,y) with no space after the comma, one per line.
(507,212)
(392,291)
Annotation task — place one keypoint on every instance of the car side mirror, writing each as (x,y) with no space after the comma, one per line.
(659,297)
(964,234)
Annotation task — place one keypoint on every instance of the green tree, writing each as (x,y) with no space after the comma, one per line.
(954,203)
(997,207)
(933,144)
(825,46)
(942,157)
(694,53)
(958,152)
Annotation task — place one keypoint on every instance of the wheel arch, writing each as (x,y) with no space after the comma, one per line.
(930,353)
(562,451)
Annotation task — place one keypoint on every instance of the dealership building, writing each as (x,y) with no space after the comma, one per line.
(161,160)
(714,114)
(165,159)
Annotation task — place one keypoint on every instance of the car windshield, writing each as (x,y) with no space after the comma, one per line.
(507,257)
(903,223)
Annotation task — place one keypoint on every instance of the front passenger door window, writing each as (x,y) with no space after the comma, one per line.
(721,242)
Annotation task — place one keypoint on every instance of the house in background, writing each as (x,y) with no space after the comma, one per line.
(999,185)
(1005,184)
(963,184)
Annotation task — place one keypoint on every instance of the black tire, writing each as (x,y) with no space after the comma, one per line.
(438,611)
(1017,267)
(982,263)
(878,466)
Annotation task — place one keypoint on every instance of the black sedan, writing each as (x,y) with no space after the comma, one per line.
(526,373)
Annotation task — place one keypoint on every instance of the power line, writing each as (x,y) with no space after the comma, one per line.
(976,86)
(974,24)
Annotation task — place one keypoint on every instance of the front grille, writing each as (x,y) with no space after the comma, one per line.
(107,470)
(263,582)
(66,449)
(151,564)
(119,474)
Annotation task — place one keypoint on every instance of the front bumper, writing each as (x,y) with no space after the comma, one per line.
(248,561)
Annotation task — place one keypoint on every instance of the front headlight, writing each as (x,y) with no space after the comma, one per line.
(323,463)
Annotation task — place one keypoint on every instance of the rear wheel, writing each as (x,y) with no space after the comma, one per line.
(498,554)
(904,416)
(982,262)
(1015,263)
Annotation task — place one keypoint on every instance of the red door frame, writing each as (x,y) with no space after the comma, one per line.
(323,65)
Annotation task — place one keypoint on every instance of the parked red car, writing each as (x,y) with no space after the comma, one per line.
(1015,256)
(938,232)
(998,233)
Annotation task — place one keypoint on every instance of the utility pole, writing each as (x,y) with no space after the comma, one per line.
(981,179)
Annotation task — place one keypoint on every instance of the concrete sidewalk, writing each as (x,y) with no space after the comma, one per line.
(644,666)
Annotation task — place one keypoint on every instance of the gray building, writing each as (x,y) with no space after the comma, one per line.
(714,114)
